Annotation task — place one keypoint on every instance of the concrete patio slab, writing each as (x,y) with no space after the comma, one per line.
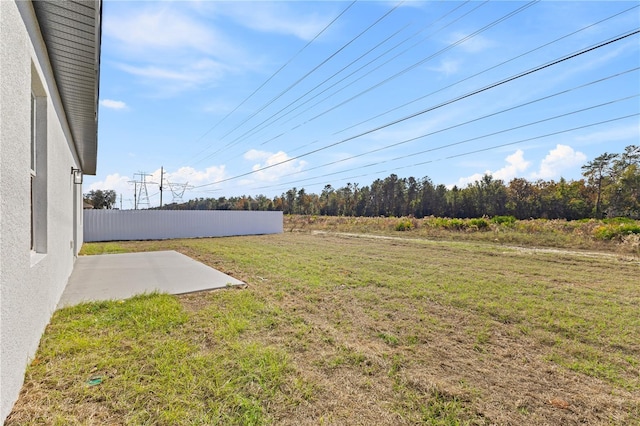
(120,276)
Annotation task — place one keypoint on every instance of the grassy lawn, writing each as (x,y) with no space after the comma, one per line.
(336,329)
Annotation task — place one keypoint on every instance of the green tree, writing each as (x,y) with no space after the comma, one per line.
(440,206)
(427,198)
(488,196)
(303,203)
(624,191)
(453,202)
(521,199)
(598,174)
(100,199)
(289,201)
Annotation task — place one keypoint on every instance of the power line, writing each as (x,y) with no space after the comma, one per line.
(454,156)
(515,127)
(455,126)
(490,68)
(476,92)
(424,60)
(449,102)
(377,67)
(314,88)
(308,74)
(542,136)
(479,73)
(450,46)
(391,59)
(477,137)
(248,134)
(386,62)
(276,72)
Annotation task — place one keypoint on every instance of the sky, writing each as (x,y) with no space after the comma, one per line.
(249,98)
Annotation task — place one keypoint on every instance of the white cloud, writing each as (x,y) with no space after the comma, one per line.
(191,176)
(616,134)
(111,104)
(170,47)
(152,31)
(464,181)
(558,160)
(447,67)
(274,17)
(115,182)
(516,165)
(475,44)
(187,75)
(254,154)
(185,182)
(265,159)
(562,158)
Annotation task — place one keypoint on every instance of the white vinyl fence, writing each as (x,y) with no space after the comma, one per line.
(120,225)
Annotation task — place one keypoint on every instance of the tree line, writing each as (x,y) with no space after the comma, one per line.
(610,188)
(100,199)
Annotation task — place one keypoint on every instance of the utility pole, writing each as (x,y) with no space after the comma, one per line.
(135,193)
(161,181)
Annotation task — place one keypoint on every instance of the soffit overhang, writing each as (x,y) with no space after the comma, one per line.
(72,35)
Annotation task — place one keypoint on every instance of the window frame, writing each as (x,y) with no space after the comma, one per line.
(38,168)
(33,167)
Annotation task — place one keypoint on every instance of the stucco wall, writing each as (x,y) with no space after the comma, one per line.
(30,285)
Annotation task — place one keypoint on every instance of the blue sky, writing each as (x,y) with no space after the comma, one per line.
(219,93)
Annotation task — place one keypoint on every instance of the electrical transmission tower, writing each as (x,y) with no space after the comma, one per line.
(177,190)
(140,192)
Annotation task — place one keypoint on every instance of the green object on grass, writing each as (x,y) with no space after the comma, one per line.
(94,381)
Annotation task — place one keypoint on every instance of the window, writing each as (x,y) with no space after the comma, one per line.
(38,164)
(33,169)
(33,134)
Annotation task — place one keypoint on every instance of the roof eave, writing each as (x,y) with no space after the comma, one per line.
(75,25)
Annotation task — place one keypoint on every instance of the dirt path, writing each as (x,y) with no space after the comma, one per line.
(532,250)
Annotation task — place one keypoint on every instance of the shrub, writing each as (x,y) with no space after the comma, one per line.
(617,220)
(504,220)
(450,224)
(479,223)
(610,232)
(404,224)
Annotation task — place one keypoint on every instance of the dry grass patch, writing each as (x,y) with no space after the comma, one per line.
(617,235)
(342,330)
